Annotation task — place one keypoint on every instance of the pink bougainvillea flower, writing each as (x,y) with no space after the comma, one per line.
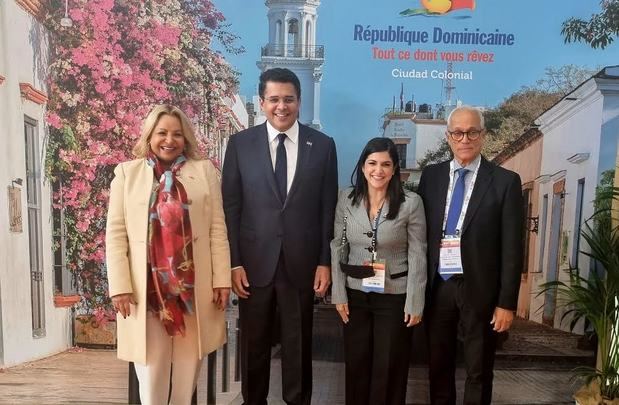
(54,120)
(118,60)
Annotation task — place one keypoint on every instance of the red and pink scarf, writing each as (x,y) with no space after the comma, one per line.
(170,256)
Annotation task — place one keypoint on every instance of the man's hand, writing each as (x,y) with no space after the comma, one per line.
(342,309)
(220,297)
(239,282)
(411,320)
(122,303)
(502,319)
(322,280)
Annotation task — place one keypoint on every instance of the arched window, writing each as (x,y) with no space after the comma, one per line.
(293,37)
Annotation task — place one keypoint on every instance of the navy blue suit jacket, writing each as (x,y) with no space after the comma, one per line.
(261,225)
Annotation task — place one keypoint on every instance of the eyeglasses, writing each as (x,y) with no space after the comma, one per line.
(276,100)
(472,134)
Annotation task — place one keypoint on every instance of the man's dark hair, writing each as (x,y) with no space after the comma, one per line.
(395,191)
(279,75)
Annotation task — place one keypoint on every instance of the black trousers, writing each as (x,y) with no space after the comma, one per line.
(449,315)
(257,314)
(377,346)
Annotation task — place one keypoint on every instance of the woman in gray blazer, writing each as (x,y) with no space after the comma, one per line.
(379,275)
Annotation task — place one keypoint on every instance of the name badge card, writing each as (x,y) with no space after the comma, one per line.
(375,283)
(450,260)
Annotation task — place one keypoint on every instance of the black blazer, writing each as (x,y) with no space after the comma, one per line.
(491,234)
(260,224)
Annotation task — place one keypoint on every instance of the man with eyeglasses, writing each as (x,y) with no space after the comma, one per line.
(474,232)
(279,187)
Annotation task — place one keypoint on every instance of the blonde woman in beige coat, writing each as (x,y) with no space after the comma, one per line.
(168,259)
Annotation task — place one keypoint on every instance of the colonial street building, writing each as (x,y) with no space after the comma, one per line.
(414,134)
(234,118)
(524,156)
(36,289)
(578,137)
(31,324)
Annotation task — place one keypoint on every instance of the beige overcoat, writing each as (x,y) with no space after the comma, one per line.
(126,237)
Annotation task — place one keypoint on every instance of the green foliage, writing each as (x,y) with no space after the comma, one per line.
(437,155)
(410,186)
(595,297)
(64,139)
(514,116)
(517,113)
(564,79)
(599,32)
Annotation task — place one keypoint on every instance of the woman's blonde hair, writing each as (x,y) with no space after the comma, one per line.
(141,149)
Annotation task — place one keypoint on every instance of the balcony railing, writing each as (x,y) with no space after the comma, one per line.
(294,51)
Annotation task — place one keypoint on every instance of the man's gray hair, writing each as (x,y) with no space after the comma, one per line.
(467,108)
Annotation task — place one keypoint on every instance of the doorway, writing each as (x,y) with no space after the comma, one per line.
(554,243)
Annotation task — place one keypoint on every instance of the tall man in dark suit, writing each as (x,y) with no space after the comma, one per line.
(474,228)
(279,191)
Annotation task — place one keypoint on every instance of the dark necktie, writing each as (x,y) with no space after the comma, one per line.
(281,167)
(457,199)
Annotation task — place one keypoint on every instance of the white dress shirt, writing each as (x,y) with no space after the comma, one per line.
(292,149)
(471,167)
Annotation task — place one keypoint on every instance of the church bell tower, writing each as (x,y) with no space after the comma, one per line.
(292,45)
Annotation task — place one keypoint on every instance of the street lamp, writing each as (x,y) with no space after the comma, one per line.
(66,21)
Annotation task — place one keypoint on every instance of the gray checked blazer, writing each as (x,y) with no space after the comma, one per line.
(401,242)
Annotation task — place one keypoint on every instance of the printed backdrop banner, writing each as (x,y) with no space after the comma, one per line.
(365,64)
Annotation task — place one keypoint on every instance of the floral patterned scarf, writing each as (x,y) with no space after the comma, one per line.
(170,256)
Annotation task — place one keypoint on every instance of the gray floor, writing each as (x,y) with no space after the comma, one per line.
(533,385)
(533,367)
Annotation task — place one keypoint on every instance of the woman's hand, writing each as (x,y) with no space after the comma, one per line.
(220,297)
(411,320)
(342,309)
(122,303)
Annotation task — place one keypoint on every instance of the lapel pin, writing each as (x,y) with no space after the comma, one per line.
(308,143)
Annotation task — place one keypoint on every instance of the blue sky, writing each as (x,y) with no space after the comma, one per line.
(356,88)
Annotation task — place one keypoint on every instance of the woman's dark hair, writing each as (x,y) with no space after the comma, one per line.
(395,191)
